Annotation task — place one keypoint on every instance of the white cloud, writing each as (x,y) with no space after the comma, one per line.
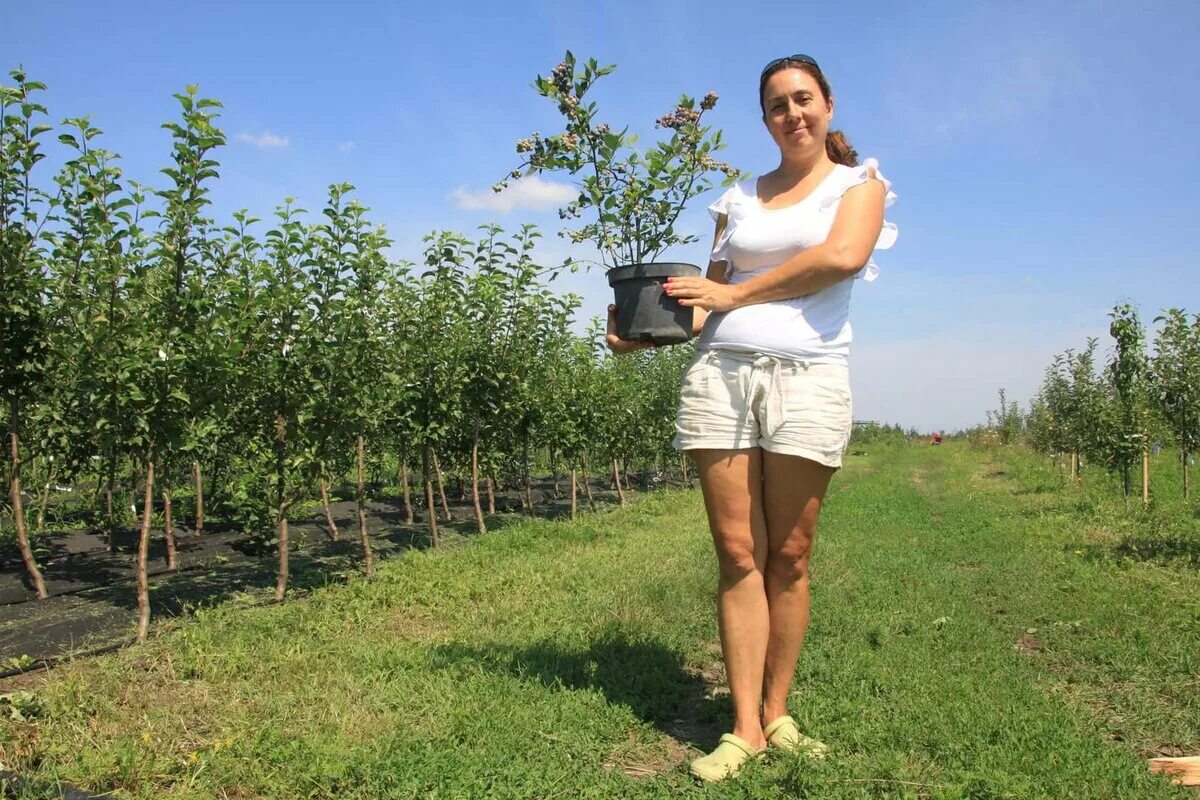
(527,193)
(346,146)
(263,140)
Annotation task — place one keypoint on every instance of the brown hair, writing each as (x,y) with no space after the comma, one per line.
(837,146)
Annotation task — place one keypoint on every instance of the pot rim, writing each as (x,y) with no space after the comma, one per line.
(651,269)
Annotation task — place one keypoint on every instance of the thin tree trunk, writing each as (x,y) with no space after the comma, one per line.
(368,562)
(168,527)
(684,471)
(430,511)
(554,471)
(14,489)
(441,485)
(332,527)
(408,510)
(475,482)
(143,588)
(587,482)
(574,493)
(490,484)
(616,479)
(198,480)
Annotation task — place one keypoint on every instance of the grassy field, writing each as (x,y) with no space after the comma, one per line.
(979,630)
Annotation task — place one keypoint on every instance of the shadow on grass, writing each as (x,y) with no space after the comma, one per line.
(1175,550)
(1039,488)
(650,679)
(23,789)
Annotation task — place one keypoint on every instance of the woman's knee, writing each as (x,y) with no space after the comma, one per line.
(790,560)
(736,556)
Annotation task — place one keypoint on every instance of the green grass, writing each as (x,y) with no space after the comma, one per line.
(977,632)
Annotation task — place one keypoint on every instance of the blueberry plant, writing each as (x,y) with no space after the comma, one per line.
(633,198)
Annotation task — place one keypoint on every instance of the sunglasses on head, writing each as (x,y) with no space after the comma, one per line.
(801,57)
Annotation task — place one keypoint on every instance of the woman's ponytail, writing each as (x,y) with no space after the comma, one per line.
(839,149)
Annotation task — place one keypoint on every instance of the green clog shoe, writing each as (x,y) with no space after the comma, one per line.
(785,734)
(726,761)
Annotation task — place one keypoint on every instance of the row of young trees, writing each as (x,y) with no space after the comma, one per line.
(145,342)
(1112,414)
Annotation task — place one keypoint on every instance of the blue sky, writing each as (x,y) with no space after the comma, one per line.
(1045,154)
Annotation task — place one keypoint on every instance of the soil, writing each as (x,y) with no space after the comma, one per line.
(93,601)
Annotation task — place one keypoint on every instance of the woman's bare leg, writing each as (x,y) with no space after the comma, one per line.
(732,484)
(793,489)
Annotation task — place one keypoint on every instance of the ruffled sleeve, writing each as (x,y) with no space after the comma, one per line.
(728,205)
(854,176)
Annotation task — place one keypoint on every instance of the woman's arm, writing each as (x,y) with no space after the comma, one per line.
(715,273)
(844,252)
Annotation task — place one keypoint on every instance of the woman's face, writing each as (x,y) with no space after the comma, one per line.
(795,111)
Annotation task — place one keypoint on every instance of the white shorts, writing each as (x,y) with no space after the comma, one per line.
(735,401)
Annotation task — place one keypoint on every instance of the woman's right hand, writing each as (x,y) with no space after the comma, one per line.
(616,343)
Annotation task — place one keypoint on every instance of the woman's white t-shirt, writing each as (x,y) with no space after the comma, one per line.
(815,328)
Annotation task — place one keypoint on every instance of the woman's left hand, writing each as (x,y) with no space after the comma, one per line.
(703,293)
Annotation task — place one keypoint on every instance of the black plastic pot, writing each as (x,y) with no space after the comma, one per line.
(644,312)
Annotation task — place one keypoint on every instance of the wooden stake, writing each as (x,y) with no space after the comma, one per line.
(525,478)
(1145,479)
(430,511)
(109,515)
(368,561)
(198,480)
(475,483)
(282,529)
(616,478)
(143,589)
(574,492)
(169,527)
(1184,460)
(281,504)
(408,511)
(587,482)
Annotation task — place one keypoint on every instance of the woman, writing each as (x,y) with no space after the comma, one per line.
(765,408)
